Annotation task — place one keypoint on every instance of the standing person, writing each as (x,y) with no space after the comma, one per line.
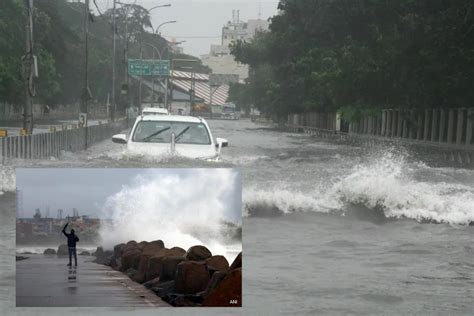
(71,244)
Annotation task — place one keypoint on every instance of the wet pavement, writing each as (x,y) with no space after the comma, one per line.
(47,281)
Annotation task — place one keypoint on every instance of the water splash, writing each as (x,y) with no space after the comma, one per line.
(181,208)
(390,183)
(7,179)
(387,181)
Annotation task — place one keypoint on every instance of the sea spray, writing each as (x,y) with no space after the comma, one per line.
(182,208)
(7,179)
(283,200)
(390,183)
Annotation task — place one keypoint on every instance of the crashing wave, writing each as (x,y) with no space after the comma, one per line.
(183,210)
(387,183)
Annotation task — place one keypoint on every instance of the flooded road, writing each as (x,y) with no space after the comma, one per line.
(327,229)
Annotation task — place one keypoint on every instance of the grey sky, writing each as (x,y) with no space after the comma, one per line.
(200,18)
(88,189)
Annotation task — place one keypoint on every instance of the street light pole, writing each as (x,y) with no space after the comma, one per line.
(85,90)
(140,84)
(166,79)
(30,70)
(114,106)
(141,58)
(153,77)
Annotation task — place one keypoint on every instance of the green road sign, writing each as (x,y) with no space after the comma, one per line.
(148,67)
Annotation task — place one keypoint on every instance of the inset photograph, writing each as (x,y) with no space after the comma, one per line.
(128,238)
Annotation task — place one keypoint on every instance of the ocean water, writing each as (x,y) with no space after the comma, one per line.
(329,228)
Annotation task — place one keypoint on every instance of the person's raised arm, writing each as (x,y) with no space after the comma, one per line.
(64,229)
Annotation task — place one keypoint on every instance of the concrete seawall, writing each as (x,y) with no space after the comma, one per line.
(45,280)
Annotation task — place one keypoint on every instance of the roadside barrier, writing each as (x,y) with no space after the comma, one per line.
(52,144)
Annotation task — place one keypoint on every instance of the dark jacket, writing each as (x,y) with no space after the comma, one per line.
(71,238)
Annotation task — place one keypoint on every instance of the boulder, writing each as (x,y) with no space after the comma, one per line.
(85,253)
(129,245)
(191,277)
(164,288)
(217,263)
(99,252)
(216,278)
(228,292)
(105,258)
(118,250)
(142,268)
(130,259)
(153,247)
(169,266)
(176,251)
(117,263)
(49,251)
(142,244)
(63,250)
(154,264)
(131,272)
(198,253)
(237,262)
(152,283)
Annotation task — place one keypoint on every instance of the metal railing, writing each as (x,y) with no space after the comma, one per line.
(445,126)
(453,127)
(52,144)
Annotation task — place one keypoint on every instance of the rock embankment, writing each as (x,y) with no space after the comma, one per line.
(182,278)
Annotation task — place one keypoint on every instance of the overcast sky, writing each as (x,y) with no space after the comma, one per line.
(88,189)
(200,18)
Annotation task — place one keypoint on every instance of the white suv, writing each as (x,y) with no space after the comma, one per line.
(172,134)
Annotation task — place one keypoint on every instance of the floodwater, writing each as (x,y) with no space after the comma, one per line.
(328,228)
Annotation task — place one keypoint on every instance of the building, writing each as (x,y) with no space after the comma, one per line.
(219,59)
(238,30)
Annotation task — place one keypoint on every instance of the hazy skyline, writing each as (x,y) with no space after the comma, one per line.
(200,22)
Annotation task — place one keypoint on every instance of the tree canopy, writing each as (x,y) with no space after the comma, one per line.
(59,46)
(352,56)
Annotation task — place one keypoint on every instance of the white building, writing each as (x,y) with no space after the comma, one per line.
(219,59)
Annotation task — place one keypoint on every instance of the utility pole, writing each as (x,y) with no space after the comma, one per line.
(127,95)
(192,91)
(86,94)
(114,106)
(30,70)
(169,105)
(153,84)
(140,83)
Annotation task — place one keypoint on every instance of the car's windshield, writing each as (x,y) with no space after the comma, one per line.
(160,132)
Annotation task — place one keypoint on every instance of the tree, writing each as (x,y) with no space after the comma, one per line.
(354,56)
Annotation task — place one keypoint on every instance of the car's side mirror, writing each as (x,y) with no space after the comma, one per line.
(221,142)
(119,139)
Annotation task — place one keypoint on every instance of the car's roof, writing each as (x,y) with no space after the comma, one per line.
(156,110)
(172,118)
